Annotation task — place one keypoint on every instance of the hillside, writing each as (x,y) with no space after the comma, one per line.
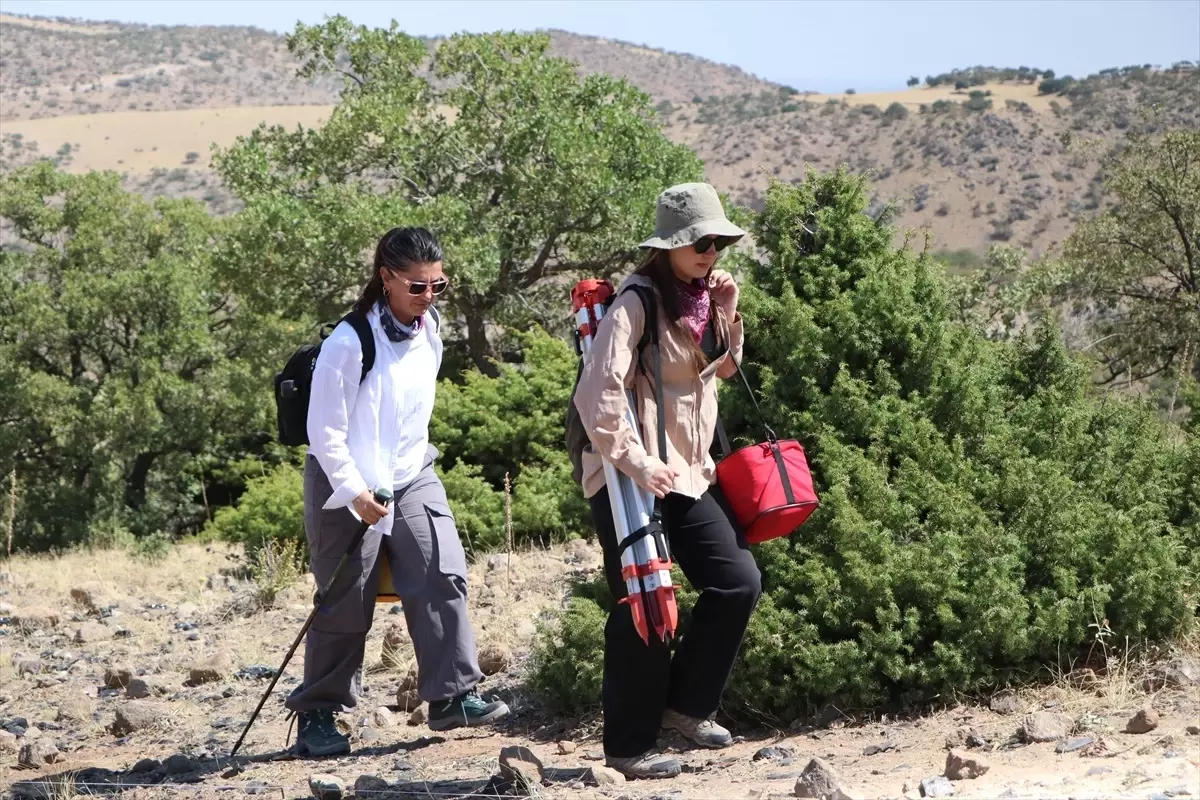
(993,161)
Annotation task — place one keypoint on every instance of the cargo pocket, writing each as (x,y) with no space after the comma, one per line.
(449,556)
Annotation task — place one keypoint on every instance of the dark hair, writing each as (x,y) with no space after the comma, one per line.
(657,267)
(399,249)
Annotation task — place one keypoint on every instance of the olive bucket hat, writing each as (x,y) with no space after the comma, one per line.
(686,214)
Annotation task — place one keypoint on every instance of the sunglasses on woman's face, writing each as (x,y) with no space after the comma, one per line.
(418,288)
(704,244)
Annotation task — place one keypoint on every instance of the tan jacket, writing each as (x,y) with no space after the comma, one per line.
(690,398)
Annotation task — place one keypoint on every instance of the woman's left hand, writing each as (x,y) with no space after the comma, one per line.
(724,290)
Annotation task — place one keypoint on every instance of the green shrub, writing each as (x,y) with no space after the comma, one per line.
(270,510)
(980,507)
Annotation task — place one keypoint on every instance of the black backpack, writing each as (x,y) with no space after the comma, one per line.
(294,382)
(576,435)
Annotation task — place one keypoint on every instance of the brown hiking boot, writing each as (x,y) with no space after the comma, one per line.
(703,732)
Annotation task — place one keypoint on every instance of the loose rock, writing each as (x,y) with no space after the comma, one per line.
(326,787)
(819,781)
(8,742)
(383,717)
(419,716)
(144,766)
(1193,730)
(1077,743)
(366,785)
(29,667)
(962,766)
(90,632)
(117,677)
(1044,726)
(602,776)
(494,659)
(1144,721)
(882,747)
(214,668)
(89,597)
(1005,703)
(36,618)
(136,715)
(139,689)
(521,767)
(38,753)
(566,748)
(1176,675)
(775,752)
(502,561)
(179,764)
(936,786)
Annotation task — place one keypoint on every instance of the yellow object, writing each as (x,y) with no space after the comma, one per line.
(384,593)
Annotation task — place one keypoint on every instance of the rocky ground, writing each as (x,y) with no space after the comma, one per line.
(119,675)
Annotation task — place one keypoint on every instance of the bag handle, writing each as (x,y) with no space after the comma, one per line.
(757,408)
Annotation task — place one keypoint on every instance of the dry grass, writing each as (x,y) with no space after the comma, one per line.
(915,97)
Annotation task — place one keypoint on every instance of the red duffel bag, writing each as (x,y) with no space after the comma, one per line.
(768,485)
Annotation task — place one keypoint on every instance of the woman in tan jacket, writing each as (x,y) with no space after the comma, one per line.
(647,687)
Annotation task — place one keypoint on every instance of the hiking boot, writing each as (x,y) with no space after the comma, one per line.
(319,736)
(466,710)
(646,766)
(703,732)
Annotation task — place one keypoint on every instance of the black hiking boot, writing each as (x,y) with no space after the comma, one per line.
(466,710)
(319,736)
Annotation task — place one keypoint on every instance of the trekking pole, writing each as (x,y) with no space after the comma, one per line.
(645,559)
(383,497)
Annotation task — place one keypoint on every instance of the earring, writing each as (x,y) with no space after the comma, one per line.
(387,294)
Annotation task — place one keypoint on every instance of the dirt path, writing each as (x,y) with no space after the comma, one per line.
(164,621)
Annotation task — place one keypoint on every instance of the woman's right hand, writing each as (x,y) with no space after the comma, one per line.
(660,479)
(369,510)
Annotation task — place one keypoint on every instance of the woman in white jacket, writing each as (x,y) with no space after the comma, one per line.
(364,435)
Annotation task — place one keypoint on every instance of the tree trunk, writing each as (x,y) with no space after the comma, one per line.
(478,345)
(12,509)
(135,490)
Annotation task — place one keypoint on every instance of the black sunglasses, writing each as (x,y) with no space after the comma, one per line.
(417,288)
(721,243)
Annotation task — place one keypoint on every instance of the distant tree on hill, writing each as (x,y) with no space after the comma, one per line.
(914,81)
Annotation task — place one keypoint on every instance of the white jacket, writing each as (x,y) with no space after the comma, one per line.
(377,433)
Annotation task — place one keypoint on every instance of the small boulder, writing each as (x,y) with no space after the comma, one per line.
(419,715)
(213,668)
(89,596)
(90,632)
(1193,730)
(964,767)
(1005,703)
(937,786)
(9,742)
(29,666)
(367,785)
(521,767)
(140,689)
(1180,673)
(179,764)
(136,715)
(326,787)
(597,775)
(406,695)
(501,561)
(383,717)
(144,766)
(566,748)
(38,753)
(117,677)
(1144,721)
(819,781)
(36,618)
(1044,726)
(494,659)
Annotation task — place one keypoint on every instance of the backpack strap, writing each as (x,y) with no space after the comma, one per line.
(650,335)
(436,316)
(365,338)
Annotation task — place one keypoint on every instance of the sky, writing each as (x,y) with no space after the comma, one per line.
(816,45)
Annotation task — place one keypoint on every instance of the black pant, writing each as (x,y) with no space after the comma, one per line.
(641,681)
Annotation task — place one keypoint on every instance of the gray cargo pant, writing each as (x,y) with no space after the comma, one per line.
(429,573)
